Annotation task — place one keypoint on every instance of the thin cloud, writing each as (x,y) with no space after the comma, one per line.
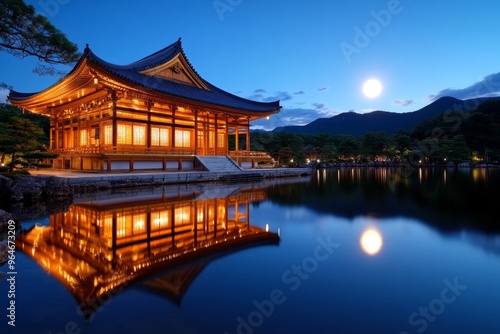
(259,90)
(293,116)
(322,89)
(488,87)
(282,96)
(256,97)
(300,92)
(324,111)
(319,106)
(329,112)
(404,103)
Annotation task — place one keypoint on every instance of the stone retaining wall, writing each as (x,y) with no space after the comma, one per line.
(38,188)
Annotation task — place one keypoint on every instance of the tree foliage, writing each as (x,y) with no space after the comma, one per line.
(24,33)
(22,137)
(451,136)
(482,128)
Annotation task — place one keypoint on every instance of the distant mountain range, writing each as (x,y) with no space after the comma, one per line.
(352,123)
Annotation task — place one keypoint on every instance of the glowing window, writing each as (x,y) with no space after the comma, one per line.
(211,139)
(83,137)
(182,215)
(123,225)
(160,136)
(182,138)
(124,134)
(107,221)
(139,223)
(108,134)
(159,220)
(221,140)
(139,135)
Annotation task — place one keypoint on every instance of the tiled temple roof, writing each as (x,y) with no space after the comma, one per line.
(133,74)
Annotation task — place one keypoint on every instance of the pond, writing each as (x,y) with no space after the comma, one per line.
(350,250)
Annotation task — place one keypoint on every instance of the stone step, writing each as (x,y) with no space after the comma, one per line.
(218,163)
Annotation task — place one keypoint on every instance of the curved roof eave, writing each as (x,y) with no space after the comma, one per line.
(132,74)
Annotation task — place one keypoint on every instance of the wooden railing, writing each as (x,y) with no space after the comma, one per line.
(126,150)
(159,150)
(249,154)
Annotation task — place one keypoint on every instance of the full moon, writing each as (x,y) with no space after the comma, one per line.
(372,88)
(371,241)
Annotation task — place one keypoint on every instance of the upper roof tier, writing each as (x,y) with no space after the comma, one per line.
(167,72)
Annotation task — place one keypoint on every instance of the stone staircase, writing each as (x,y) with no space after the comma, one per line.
(220,163)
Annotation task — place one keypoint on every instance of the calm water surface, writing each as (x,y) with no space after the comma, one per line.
(359,251)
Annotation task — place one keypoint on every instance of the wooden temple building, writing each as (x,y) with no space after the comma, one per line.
(156,113)
(158,241)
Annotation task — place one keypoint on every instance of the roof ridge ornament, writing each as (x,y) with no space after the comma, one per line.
(176,68)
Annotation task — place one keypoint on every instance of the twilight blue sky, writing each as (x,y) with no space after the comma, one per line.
(312,55)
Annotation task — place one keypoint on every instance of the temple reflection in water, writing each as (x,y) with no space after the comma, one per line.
(99,246)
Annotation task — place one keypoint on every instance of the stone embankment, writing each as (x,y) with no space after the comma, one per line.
(33,189)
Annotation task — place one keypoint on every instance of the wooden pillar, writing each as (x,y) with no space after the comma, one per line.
(113,234)
(52,144)
(173,126)
(149,104)
(79,129)
(195,227)
(206,135)
(206,226)
(248,136)
(61,135)
(216,216)
(56,134)
(226,216)
(196,131)
(226,135)
(247,207)
(115,132)
(148,231)
(71,135)
(237,140)
(101,132)
(216,134)
(172,222)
